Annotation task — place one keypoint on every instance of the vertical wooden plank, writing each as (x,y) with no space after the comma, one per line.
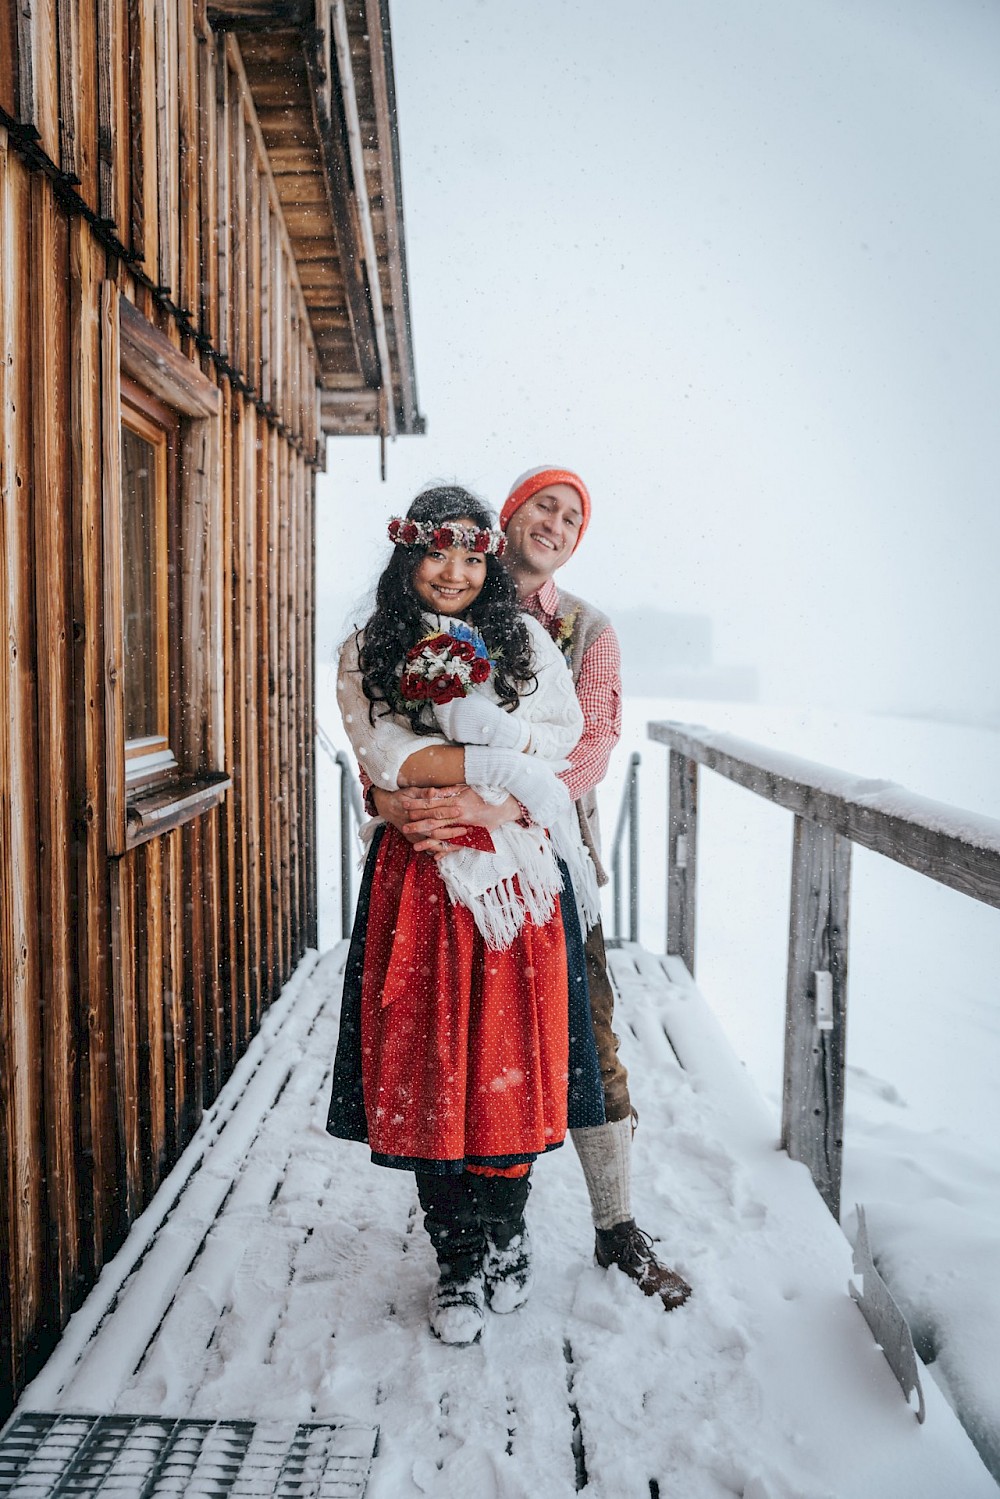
(123,951)
(165,34)
(293,765)
(187,136)
(253,268)
(200,577)
(114,643)
(8,68)
(265,294)
(88,113)
(231,868)
(301,701)
(145,174)
(223,162)
(174,1029)
(149,1012)
(100,1200)
(112,129)
(268,785)
(294,356)
(208,240)
(682,858)
(53,622)
(140,158)
(275,450)
(238,137)
(194,970)
(26,109)
(284,727)
(241,786)
(309,936)
(212,907)
(248,439)
(47,80)
(19,893)
(812,1115)
(279,293)
(68,26)
(10,1248)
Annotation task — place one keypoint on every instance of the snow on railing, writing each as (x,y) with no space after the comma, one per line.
(833,810)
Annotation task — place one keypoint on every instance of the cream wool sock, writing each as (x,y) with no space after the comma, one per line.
(605,1155)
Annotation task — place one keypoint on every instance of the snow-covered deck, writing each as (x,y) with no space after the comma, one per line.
(278,1274)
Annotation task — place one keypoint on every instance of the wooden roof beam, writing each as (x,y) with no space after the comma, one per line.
(331,134)
(342,47)
(260,15)
(383,86)
(349,413)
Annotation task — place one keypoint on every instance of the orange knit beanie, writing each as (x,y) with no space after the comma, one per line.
(540,478)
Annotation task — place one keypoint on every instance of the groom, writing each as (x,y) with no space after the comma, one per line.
(544,518)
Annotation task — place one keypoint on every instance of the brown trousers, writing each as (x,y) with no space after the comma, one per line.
(614,1077)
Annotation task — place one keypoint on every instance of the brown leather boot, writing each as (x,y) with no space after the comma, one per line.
(631,1250)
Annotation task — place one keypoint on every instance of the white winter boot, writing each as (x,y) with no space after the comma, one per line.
(458,1310)
(508,1272)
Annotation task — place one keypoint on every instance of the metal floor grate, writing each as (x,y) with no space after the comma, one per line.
(132,1457)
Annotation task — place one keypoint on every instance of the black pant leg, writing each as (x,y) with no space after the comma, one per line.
(451,1218)
(501,1201)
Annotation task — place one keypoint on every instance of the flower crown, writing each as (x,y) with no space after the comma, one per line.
(424,533)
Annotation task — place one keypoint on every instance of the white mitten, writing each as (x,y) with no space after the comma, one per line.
(475,720)
(533,782)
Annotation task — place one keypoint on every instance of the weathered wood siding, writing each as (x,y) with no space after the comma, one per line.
(131,156)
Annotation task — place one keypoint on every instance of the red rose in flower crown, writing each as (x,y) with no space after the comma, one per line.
(441,667)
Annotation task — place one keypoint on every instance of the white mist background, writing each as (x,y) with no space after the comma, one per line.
(736,263)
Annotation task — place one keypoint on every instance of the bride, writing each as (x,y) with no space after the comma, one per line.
(465,1043)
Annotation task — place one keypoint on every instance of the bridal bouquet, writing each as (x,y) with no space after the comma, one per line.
(444,666)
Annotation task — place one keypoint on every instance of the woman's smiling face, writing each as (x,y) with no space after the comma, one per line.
(448,580)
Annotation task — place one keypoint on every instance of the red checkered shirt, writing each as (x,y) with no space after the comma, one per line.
(599,690)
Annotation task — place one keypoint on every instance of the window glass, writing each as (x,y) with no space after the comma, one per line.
(141,546)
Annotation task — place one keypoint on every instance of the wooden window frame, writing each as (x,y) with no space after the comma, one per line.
(142,372)
(153,758)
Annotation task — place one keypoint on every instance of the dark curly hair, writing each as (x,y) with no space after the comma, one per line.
(396,623)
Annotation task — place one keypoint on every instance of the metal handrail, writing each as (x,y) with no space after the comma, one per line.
(628,816)
(352,808)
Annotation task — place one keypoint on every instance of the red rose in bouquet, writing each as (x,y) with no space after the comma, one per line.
(441,667)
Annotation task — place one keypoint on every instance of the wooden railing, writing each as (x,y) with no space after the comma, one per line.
(833,810)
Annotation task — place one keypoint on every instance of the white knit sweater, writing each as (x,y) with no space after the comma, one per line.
(485,881)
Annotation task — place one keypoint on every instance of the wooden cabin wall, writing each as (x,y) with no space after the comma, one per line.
(130,155)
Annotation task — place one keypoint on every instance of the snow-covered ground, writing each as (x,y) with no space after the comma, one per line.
(923,1108)
(279,1276)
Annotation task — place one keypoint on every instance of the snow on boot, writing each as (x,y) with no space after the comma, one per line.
(508,1273)
(631,1250)
(458,1311)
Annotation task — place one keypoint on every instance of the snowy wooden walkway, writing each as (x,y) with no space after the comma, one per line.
(278,1274)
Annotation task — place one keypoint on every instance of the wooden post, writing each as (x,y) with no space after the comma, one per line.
(812,1116)
(682,858)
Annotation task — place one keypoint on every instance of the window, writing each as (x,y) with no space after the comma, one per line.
(163,580)
(149,439)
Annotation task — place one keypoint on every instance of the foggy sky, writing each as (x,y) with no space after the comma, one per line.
(736,262)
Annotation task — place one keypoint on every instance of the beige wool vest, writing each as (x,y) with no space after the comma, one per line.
(588,624)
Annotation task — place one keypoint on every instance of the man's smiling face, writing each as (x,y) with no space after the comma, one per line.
(542,533)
